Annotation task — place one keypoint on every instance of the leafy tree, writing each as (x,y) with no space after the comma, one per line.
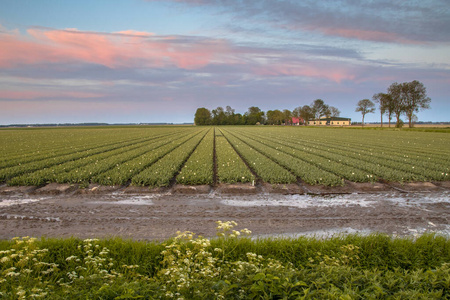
(270,117)
(218,116)
(287,115)
(319,108)
(254,115)
(254,110)
(296,112)
(365,106)
(408,98)
(380,98)
(414,98)
(386,103)
(229,114)
(229,111)
(202,116)
(395,91)
(238,119)
(390,105)
(274,117)
(306,113)
(334,112)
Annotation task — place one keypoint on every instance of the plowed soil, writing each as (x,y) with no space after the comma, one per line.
(65,211)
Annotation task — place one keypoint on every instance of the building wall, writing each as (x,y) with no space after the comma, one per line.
(340,123)
(332,123)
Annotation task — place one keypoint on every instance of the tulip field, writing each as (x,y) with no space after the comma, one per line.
(157,156)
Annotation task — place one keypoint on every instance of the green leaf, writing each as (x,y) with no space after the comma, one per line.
(259,276)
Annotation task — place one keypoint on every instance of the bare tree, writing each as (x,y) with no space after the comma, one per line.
(365,106)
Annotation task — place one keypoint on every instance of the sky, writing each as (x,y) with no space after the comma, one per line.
(149,61)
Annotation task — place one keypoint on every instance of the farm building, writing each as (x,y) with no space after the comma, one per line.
(333,121)
(297,121)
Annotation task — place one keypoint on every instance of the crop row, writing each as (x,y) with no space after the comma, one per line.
(161,172)
(376,147)
(155,156)
(230,167)
(388,169)
(25,144)
(74,146)
(70,161)
(303,169)
(351,169)
(265,168)
(199,167)
(84,156)
(80,170)
(407,145)
(122,173)
(116,162)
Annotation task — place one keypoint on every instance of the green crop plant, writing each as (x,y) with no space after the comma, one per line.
(275,154)
(11,172)
(58,145)
(230,167)
(199,167)
(401,166)
(265,168)
(122,173)
(343,158)
(62,172)
(162,171)
(302,168)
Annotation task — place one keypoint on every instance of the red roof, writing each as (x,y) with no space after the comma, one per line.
(295,120)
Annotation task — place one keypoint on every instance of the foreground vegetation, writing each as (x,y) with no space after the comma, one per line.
(228,267)
(163,155)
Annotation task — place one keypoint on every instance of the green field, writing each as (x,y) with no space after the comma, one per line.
(157,156)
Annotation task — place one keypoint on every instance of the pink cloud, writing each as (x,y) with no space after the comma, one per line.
(330,72)
(121,49)
(14,95)
(135,33)
(134,49)
(366,35)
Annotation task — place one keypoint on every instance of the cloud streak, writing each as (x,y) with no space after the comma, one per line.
(396,21)
(22,95)
(125,49)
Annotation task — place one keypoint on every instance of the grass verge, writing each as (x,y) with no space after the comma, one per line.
(232,266)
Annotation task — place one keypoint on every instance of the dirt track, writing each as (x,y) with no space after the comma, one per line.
(159,215)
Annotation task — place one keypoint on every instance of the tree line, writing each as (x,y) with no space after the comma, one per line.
(405,98)
(255,115)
